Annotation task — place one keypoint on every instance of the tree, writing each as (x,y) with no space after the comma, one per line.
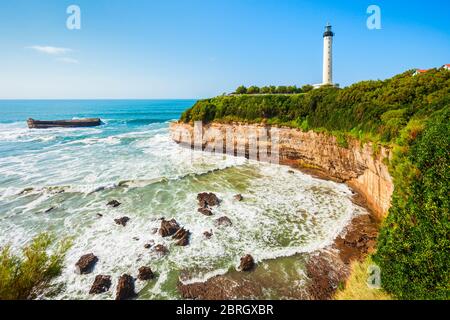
(282,89)
(265,90)
(241,90)
(307,88)
(291,89)
(253,90)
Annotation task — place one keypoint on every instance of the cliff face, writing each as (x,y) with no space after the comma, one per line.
(357,165)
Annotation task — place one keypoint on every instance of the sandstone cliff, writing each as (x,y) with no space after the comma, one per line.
(358,165)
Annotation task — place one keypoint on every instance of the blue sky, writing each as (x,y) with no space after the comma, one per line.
(202,48)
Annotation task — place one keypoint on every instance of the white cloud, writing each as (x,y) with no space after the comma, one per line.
(50,50)
(68,60)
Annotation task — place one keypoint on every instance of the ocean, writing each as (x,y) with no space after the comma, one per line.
(60,181)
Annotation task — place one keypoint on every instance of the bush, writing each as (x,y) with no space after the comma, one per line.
(414,244)
(22,277)
(411,115)
(241,90)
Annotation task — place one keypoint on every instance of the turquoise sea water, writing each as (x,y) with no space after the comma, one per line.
(59,181)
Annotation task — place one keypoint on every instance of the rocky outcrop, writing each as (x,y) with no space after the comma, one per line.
(86,263)
(113,203)
(207,199)
(168,227)
(182,235)
(238,197)
(125,288)
(122,221)
(101,284)
(145,273)
(208,234)
(223,222)
(205,211)
(361,166)
(161,249)
(247,263)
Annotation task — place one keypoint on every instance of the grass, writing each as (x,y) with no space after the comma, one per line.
(356,288)
(24,276)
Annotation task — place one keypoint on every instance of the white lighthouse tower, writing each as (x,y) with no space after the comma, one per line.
(328,56)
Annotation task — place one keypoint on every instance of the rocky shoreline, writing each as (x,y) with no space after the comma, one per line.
(326,269)
(320,156)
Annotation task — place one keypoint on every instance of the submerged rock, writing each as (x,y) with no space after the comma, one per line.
(182,235)
(49,209)
(168,228)
(101,284)
(86,264)
(125,288)
(247,263)
(99,215)
(224,222)
(208,234)
(161,249)
(113,203)
(154,231)
(205,211)
(207,199)
(238,197)
(145,273)
(122,221)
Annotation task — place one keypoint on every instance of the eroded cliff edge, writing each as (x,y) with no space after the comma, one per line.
(361,166)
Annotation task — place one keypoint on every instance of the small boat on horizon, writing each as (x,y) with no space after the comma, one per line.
(41,124)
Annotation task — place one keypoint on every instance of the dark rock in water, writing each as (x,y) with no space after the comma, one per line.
(205,211)
(207,199)
(86,264)
(147,246)
(238,197)
(136,238)
(247,263)
(114,203)
(25,191)
(154,230)
(125,288)
(168,228)
(159,248)
(122,221)
(208,234)
(224,221)
(145,273)
(101,284)
(182,235)
(99,215)
(291,171)
(49,209)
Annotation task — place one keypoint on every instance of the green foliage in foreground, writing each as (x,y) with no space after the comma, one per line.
(409,113)
(24,276)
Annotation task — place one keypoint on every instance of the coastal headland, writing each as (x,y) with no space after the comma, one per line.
(320,155)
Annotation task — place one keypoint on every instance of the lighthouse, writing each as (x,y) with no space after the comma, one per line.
(328,56)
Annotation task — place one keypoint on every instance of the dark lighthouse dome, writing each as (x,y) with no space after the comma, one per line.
(328,32)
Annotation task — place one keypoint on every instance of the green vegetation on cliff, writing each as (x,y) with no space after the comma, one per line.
(409,113)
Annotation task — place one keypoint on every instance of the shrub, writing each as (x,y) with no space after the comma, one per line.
(414,244)
(24,276)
